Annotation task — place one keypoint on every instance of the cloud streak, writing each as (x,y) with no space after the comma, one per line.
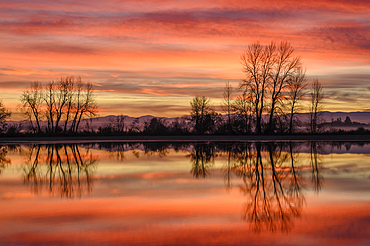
(175,44)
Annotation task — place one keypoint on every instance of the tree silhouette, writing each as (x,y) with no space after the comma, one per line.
(69,99)
(317,96)
(267,71)
(32,100)
(257,63)
(4,115)
(227,104)
(296,85)
(156,126)
(284,67)
(202,114)
(242,109)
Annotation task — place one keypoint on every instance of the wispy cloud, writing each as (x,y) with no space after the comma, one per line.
(175,47)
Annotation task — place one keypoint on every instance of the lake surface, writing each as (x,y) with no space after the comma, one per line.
(307,193)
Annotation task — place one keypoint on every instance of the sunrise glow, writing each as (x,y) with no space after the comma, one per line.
(152,57)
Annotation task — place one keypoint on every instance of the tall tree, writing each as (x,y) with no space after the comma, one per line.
(32,99)
(89,107)
(63,92)
(227,104)
(82,103)
(50,105)
(284,67)
(296,86)
(316,106)
(267,71)
(70,86)
(77,104)
(257,63)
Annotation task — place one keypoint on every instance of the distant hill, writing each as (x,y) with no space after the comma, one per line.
(361,117)
(95,123)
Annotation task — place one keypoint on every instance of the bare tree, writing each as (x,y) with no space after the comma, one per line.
(68,99)
(63,93)
(316,106)
(267,70)
(89,107)
(50,105)
(80,102)
(296,85)
(284,67)
(31,100)
(227,104)
(77,104)
(70,85)
(257,64)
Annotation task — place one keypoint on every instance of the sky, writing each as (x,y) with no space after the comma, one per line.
(152,57)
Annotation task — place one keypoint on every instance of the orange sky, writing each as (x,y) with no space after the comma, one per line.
(152,57)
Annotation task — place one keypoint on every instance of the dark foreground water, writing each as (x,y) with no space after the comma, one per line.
(310,193)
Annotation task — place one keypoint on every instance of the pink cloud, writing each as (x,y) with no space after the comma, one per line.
(196,39)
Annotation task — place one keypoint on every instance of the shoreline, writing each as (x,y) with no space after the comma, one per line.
(202,138)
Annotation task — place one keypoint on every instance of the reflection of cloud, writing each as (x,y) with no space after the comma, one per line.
(171,222)
(18,195)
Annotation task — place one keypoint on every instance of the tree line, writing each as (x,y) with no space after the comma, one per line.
(272,90)
(62,104)
(270,95)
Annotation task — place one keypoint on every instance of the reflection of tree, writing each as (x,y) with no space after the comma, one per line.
(3,160)
(62,169)
(162,149)
(149,149)
(315,165)
(202,158)
(227,170)
(236,153)
(272,183)
(116,150)
(295,180)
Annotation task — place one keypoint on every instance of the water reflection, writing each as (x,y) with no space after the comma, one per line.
(272,188)
(202,159)
(3,160)
(62,170)
(270,173)
(272,177)
(315,162)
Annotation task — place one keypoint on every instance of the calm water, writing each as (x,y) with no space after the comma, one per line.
(312,193)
